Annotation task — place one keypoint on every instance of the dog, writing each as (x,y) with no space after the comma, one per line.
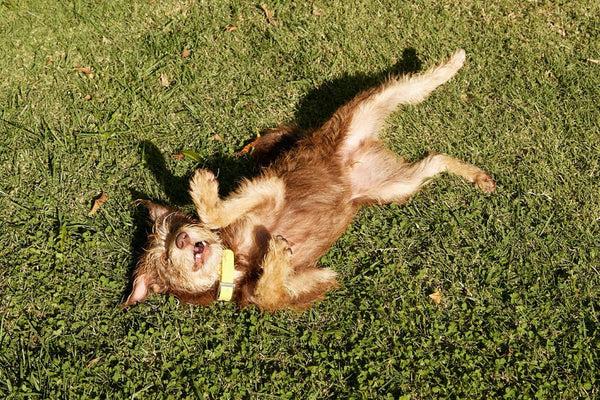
(261,244)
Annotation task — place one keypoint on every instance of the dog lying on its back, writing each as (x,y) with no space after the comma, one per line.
(280,223)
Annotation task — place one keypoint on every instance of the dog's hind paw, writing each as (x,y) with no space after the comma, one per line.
(458,58)
(485,182)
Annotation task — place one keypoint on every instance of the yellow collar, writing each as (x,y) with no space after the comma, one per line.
(227,268)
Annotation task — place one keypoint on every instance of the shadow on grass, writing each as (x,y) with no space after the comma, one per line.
(138,241)
(316,107)
(320,103)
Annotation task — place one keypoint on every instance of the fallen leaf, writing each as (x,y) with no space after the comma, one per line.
(230,28)
(178,156)
(217,137)
(87,97)
(557,28)
(317,12)
(247,149)
(93,362)
(192,155)
(98,202)
(268,15)
(436,296)
(186,53)
(164,80)
(87,71)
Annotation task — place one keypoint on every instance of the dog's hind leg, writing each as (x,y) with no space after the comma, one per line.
(364,115)
(379,176)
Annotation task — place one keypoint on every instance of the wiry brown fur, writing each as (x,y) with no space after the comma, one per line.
(280,223)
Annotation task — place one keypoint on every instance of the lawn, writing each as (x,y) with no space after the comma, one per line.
(127,98)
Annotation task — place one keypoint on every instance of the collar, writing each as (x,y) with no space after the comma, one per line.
(227,283)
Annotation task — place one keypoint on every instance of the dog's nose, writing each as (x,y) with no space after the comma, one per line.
(182,240)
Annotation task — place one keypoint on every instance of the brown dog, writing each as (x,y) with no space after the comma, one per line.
(280,223)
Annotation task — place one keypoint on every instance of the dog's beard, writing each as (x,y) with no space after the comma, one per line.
(190,270)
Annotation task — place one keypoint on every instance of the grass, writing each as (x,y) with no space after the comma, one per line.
(519,271)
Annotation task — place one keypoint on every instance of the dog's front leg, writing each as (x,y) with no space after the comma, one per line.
(270,293)
(264,191)
(280,286)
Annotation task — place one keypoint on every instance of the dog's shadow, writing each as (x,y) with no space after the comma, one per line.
(320,103)
(314,109)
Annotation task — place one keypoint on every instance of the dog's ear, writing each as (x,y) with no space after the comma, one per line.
(143,286)
(155,211)
(139,292)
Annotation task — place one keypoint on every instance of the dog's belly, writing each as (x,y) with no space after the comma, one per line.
(312,225)
(318,206)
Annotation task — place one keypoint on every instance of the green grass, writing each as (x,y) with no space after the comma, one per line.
(519,270)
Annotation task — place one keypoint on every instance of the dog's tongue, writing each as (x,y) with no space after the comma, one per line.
(197,261)
(198,252)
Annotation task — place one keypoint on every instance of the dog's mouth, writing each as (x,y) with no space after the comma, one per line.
(200,249)
(201,253)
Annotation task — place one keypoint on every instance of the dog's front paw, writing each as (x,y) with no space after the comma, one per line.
(280,246)
(485,182)
(204,190)
(204,185)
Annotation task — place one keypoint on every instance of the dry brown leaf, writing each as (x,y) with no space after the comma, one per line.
(268,15)
(217,137)
(247,149)
(93,362)
(87,97)
(317,12)
(178,156)
(186,53)
(230,28)
(87,71)
(98,202)
(164,80)
(557,28)
(436,296)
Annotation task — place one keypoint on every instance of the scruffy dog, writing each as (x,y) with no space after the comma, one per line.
(280,223)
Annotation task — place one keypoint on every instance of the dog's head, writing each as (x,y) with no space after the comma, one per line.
(182,257)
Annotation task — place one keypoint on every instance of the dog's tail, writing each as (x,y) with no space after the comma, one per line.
(365,114)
